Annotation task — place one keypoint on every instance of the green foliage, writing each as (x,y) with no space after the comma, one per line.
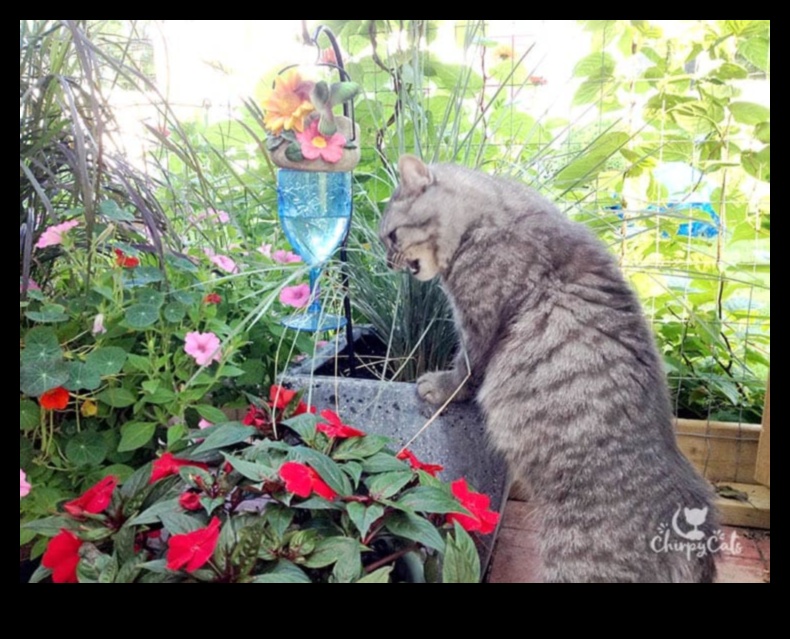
(266,529)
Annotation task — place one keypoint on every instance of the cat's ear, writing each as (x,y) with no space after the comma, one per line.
(415,176)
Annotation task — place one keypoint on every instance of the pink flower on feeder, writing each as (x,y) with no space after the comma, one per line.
(314,145)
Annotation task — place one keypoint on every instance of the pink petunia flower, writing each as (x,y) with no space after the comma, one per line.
(24,484)
(204,423)
(204,347)
(296,296)
(285,257)
(53,235)
(314,145)
(225,263)
(98,325)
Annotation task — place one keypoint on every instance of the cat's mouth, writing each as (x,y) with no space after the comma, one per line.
(413,266)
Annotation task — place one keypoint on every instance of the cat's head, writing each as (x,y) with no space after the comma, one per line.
(412,227)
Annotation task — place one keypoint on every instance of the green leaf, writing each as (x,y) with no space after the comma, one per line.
(590,162)
(49,314)
(49,526)
(151,515)
(141,276)
(81,376)
(141,315)
(762,132)
(294,153)
(756,51)
(304,426)
(251,470)
(363,516)
(360,447)
(116,397)
(380,576)
(758,164)
(329,471)
(135,435)
(430,500)
(225,435)
(160,396)
(210,413)
(595,65)
(341,551)
(284,572)
(108,360)
(731,71)
(150,297)
(175,312)
(86,449)
(279,518)
(415,528)
(749,112)
(387,484)
(178,523)
(112,211)
(41,345)
(317,503)
(383,462)
(38,377)
(461,563)
(29,414)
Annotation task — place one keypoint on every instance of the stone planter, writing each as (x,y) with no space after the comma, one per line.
(456,439)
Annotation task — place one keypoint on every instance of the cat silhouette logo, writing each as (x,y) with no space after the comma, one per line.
(695,517)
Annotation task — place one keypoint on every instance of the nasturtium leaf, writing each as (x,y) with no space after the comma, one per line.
(141,276)
(81,376)
(37,377)
(175,312)
(29,413)
(41,345)
(87,448)
(108,360)
(49,314)
(141,315)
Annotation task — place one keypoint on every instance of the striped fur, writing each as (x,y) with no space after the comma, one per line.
(563,365)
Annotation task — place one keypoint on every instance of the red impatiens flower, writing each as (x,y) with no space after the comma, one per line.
(168,465)
(193,549)
(335,427)
(280,397)
(54,399)
(125,261)
(303,481)
(212,298)
(416,464)
(62,556)
(256,417)
(189,500)
(482,519)
(94,500)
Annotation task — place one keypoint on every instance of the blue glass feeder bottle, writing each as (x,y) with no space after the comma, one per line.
(315,211)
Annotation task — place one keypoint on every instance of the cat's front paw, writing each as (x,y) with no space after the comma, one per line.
(436,388)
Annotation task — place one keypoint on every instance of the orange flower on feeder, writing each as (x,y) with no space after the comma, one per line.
(288,104)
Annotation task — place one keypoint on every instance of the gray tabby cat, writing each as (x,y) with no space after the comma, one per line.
(563,365)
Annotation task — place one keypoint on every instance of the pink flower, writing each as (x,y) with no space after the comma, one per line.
(296,296)
(32,285)
(24,484)
(53,235)
(204,347)
(285,257)
(315,145)
(221,216)
(265,250)
(204,423)
(98,325)
(225,263)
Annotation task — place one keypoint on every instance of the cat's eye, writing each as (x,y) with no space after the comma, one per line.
(393,236)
